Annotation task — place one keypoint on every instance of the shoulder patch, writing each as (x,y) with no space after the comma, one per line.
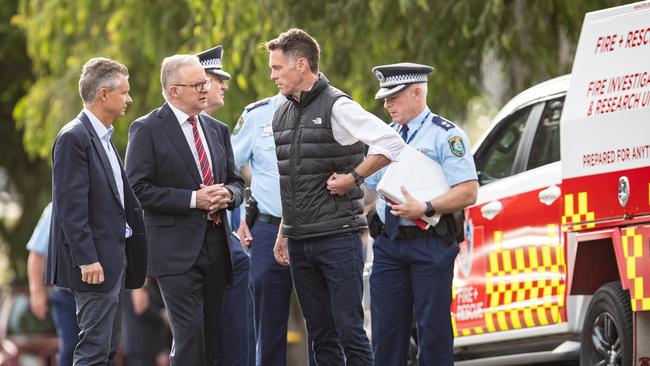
(439,121)
(457,146)
(260,103)
(238,126)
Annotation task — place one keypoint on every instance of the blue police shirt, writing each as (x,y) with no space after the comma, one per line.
(441,141)
(41,236)
(252,142)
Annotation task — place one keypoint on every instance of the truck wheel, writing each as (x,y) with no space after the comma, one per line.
(607,332)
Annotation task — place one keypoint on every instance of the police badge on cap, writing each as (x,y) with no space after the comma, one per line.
(395,77)
(211,61)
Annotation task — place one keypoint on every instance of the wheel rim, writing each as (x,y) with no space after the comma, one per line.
(606,340)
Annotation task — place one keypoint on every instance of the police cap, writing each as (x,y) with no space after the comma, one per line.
(395,77)
(211,61)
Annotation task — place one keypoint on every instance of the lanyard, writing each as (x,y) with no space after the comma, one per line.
(416,131)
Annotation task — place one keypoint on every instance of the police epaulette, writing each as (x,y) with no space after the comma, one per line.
(437,120)
(260,103)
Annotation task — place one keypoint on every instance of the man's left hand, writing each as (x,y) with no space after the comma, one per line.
(411,208)
(221,199)
(281,251)
(340,184)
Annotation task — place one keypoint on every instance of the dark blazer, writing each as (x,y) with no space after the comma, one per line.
(88,221)
(163,173)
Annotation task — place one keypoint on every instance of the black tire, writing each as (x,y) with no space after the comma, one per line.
(607,332)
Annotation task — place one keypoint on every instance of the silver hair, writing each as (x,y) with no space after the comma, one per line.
(97,73)
(170,67)
(425,89)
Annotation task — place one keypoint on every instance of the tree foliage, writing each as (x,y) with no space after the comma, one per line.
(21,176)
(355,35)
(533,41)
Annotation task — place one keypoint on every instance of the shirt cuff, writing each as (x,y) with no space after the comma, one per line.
(193,200)
(378,150)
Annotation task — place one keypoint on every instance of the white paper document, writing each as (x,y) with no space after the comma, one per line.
(422,177)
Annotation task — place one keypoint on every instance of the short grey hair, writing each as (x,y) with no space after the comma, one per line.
(97,73)
(425,88)
(170,67)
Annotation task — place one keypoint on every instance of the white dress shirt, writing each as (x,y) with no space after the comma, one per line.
(352,123)
(104,135)
(189,136)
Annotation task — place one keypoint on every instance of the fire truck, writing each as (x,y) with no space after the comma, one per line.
(556,260)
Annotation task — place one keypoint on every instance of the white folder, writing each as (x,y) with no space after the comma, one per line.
(422,177)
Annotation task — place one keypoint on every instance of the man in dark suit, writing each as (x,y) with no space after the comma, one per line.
(97,239)
(236,327)
(181,166)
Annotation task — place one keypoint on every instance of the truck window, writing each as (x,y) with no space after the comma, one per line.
(546,143)
(496,160)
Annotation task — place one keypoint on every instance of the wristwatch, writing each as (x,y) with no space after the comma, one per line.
(430,210)
(358,179)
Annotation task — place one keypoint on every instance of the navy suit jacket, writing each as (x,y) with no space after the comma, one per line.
(88,220)
(163,172)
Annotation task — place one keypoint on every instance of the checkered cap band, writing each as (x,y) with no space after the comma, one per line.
(216,62)
(403,79)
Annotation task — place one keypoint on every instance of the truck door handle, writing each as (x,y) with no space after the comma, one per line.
(549,195)
(490,210)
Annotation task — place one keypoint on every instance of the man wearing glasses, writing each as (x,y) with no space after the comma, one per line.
(181,167)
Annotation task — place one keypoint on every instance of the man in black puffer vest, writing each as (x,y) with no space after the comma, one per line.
(319,136)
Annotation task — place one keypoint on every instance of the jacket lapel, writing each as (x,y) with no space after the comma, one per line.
(101,152)
(177,137)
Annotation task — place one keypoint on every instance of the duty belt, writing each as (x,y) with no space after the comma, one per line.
(269,219)
(412,232)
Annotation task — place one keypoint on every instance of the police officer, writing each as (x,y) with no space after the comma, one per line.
(61,301)
(238,300)
(252,142)
(236,328)
(413,268)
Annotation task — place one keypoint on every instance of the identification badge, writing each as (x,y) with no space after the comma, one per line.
(267,130)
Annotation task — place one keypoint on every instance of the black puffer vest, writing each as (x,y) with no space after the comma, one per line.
(307,155)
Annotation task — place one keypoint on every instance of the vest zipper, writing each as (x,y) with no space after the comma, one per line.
(294,152)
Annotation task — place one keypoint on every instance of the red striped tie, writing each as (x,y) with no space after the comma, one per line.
(206,172)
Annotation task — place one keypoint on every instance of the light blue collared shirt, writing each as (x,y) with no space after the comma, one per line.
(104,135)
(41,236)
(252,142)
(447,145)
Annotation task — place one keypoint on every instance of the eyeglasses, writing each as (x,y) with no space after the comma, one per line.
(200,86)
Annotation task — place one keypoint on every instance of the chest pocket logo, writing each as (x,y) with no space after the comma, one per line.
(317,121)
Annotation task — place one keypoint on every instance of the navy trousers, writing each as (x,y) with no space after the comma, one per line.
(327,274)
(237,323)
(64,316)
(271,283)
(408,274)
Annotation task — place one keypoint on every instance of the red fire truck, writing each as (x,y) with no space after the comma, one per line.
(556,261)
